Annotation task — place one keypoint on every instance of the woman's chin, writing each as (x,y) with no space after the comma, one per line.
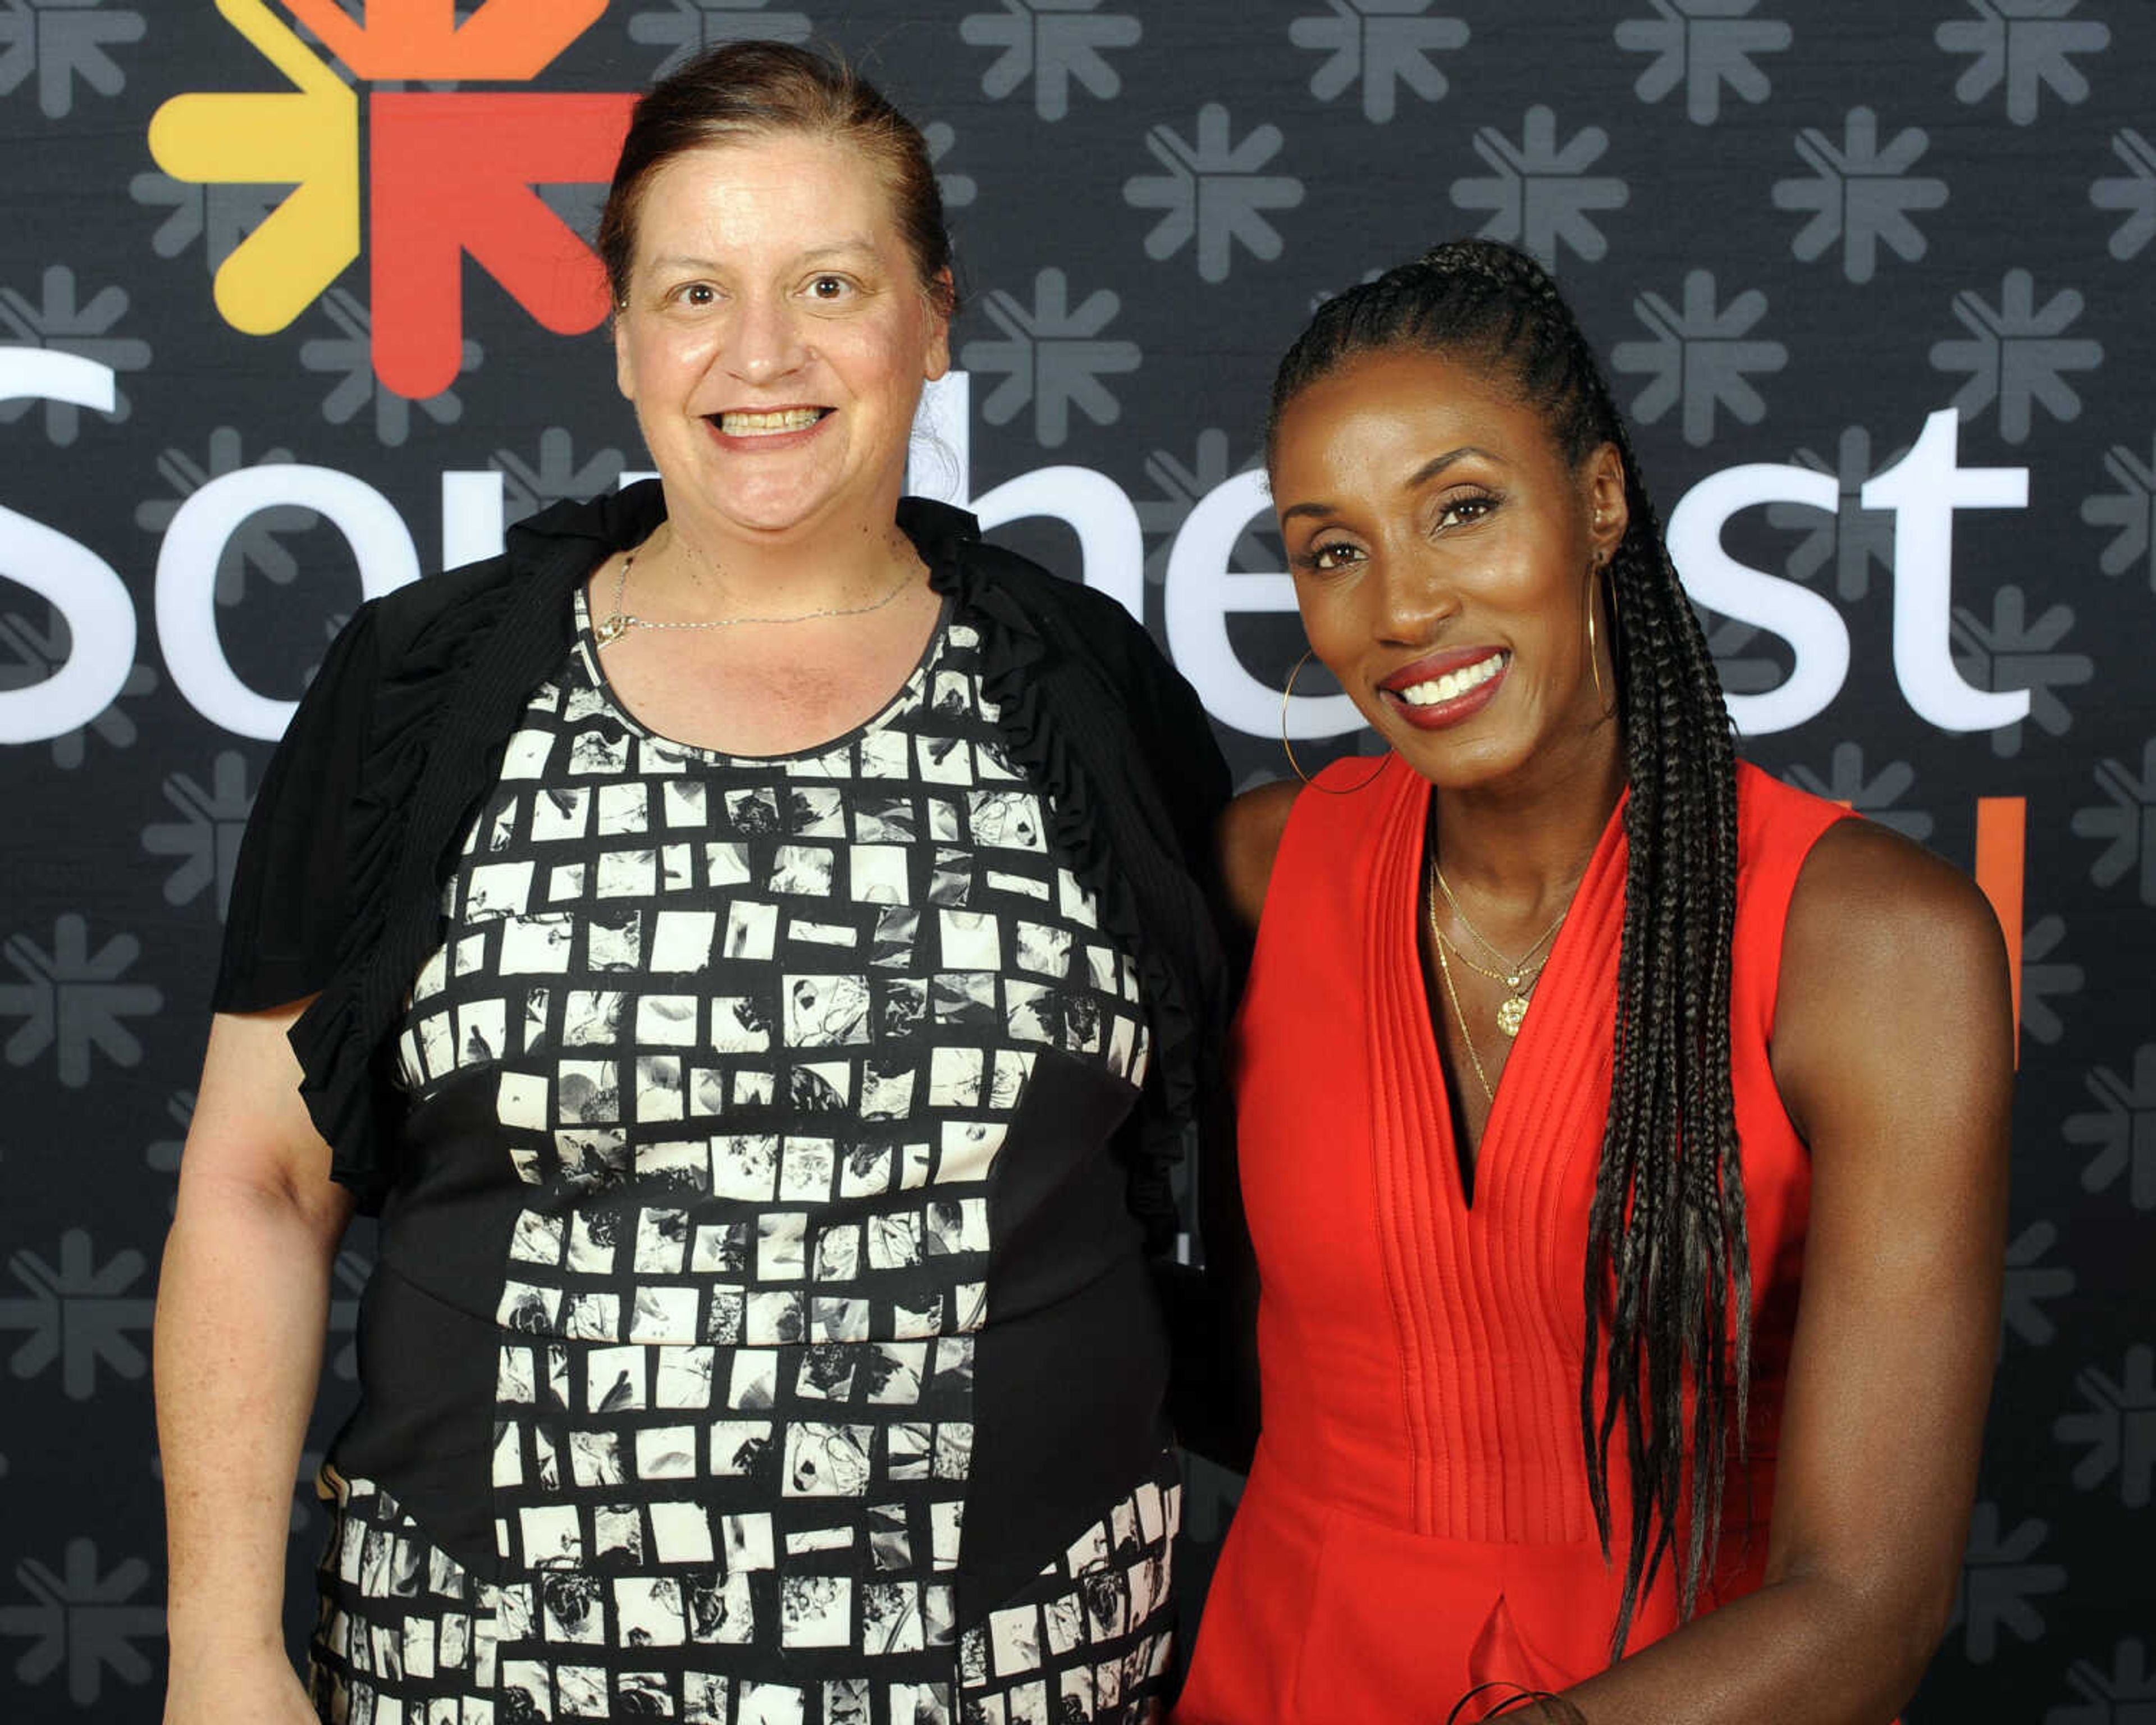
(769,513)
(1455,761)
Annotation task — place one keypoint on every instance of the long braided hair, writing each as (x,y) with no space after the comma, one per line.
(1668,1277)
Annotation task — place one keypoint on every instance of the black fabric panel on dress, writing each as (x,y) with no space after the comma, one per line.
(1053,1364)
(439,1447)
(445,1230)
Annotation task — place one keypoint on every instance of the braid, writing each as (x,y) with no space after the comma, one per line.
(1668,1283)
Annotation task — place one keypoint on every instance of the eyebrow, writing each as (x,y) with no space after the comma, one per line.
(1437,463)
(838,248)
(1421,476)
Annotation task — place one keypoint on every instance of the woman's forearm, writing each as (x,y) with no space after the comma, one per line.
(1807,1650)
(242,1305)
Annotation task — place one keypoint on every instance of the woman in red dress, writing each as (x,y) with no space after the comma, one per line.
(1622,1133)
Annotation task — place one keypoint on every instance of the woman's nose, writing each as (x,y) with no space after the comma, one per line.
(765,343)
(1412,601)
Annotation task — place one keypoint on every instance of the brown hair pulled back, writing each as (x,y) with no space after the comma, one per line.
(740,91)
(1668,1283)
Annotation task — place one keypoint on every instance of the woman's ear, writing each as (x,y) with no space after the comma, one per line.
(1608,513)
(624,373)
(942,296)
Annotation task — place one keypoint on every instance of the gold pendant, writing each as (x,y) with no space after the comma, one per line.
(1511,1014)
(611,629)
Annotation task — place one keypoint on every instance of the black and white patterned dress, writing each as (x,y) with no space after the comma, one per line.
(765,1104)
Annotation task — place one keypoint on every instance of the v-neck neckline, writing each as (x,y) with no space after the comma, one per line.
(1560,990)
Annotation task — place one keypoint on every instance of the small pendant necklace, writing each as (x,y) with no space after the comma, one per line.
(1518,976)
(618,622)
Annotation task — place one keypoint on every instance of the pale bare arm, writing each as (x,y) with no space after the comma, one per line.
(241,1305)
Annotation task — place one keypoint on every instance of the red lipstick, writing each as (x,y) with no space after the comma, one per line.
(1434,668)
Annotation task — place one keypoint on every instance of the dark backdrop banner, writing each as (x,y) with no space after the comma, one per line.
(292,309)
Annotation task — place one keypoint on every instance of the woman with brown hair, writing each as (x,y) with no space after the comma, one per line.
(749,943)
(1622,1133)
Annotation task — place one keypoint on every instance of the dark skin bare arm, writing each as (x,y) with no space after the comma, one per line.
(1249,838)
(1893,1052)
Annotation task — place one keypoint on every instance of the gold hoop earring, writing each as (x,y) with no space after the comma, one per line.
(1288,748)
(1594,656)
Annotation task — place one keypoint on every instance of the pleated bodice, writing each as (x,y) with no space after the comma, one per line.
(1418,1519)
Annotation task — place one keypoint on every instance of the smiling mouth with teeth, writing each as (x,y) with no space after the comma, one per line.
(741,424)
(1453,683)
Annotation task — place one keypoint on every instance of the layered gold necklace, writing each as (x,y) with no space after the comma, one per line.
(1517,976)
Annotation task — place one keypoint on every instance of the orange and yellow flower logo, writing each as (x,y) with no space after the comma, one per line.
(445,174)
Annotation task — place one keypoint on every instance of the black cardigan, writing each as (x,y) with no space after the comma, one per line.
(360,816)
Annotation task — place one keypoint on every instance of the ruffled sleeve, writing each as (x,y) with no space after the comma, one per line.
(321,905)
(288,903)
(421,766)
(338,893)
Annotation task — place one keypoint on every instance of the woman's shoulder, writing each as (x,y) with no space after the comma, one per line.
(1774,817)
(1063,613)
(1249,840)
(1076,652)
(1336,813)
(1851,878)
(402,647)
(421,607)
(1866,889)
(1074,614)
(542,559)
(1894,983)
(1890,956)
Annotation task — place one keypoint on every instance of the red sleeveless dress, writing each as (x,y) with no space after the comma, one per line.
(1417,1520)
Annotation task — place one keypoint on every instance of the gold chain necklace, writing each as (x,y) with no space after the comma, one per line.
(618,622)
(1513,1009)
(1452,993)
(1519,975)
